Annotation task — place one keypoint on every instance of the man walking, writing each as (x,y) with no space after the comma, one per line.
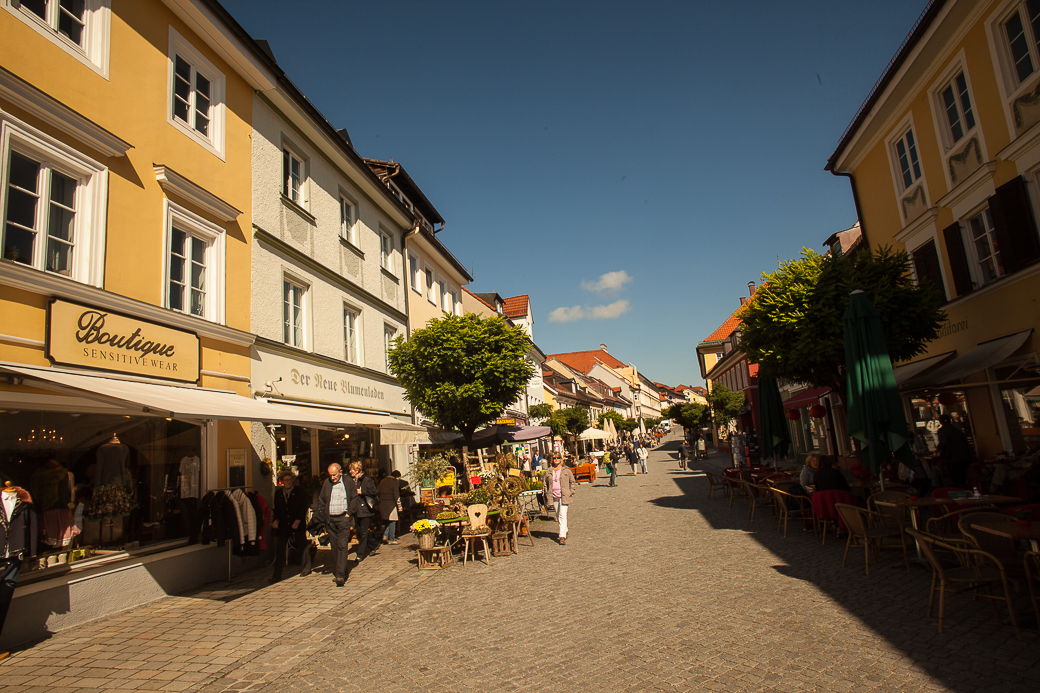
(558,484)
(290,522)
(337,503)
(633,459)
(684,454)
(643,454)
(611,463)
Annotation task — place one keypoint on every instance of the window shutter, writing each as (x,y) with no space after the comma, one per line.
(958,258)
(1014,226)
(926,266)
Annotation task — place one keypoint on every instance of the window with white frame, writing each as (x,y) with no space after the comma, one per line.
(194,268)
(1021,30)
(352,335)
(79,27)
(389,334)
(53,204)
(386,251)
(196,95)
(955,103)
(415,274)
(988,261)
(431,289)
(442,292)
(347,219)
(293,296)
(293,175)
(907,159)
(454,300)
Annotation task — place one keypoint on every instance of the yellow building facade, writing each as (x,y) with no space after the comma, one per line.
(944,158)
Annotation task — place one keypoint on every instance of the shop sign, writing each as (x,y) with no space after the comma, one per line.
(79,335)
(505,422)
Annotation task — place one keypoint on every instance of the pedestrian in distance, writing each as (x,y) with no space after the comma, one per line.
(611,463)
(643,454)
(684,454)
(558,484)
(336,507)
(633,458)
(290,523)
(389,506)
(367,507)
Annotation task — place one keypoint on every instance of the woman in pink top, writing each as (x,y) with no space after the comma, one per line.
(558,484)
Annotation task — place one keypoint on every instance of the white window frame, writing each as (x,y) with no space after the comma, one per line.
(358,359)
(216,256)
(348,218)
(96,47)
(386,251)
(88,261)
(305,296)
(389,334)
(214,141)
(442,293)
(943,133)
(285,187)
(453,296)
(974,261)
(431,285)
(415,278)
(1000,52)
(896,170)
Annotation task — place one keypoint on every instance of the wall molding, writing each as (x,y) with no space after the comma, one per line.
(174,183)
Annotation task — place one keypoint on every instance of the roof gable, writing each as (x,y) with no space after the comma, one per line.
(585,361)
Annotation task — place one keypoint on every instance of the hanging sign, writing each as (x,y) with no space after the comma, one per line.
(79,335)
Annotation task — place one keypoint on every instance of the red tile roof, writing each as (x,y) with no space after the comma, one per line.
(516,306)
(726,328)
(584,361)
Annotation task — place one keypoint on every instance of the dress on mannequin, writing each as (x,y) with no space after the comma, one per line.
(52,488)
(111,463)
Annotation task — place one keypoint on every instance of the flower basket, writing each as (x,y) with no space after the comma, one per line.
(434,509)
(426,541)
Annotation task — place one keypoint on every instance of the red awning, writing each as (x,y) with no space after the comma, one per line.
(807,398)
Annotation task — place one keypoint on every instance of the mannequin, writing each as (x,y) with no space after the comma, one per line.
(52,488)
(189,470)
(111,463)
(17,541)
(112,493)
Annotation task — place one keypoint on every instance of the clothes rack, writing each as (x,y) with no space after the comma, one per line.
(229,542)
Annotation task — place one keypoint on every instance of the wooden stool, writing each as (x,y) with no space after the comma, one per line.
(434,559)
(501,544)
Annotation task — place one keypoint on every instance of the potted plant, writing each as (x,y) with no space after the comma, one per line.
(426,469)
(426,531)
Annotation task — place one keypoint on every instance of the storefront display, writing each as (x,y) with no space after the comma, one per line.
(925,410)
(102,483)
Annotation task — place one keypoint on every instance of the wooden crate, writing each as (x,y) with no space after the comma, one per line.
(437,558)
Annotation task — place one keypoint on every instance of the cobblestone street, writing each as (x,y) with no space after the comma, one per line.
(658,588)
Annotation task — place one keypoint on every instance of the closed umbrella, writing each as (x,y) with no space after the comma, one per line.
(776,437)
(875,413)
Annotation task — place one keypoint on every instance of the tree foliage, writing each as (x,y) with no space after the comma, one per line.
(462,371)
(689,416)
(725,404)
(540,412)
(576,420)
(652,421)
(628,425)
(792,328)
(613,416)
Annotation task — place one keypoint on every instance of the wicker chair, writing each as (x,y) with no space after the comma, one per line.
(892,516)
(759,496)
(978,569)
(869,530)
(945,526)
(791,507)
(1031,567)
(734,486)
(715,482)
(1001,547)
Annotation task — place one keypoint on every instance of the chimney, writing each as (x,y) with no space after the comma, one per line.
(743,300)
(603,347)
(751,288)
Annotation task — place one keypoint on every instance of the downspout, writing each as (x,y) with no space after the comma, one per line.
(855,201)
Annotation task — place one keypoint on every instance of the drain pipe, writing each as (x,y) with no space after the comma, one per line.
(855,201)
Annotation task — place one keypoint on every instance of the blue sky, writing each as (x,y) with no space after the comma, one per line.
(629,165)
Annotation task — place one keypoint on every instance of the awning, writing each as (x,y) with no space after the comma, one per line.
(983,356)
(401,433)
(912,370)
(178,402)
(807,398)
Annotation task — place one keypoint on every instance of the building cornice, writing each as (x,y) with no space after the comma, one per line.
(174,183)
(322,360)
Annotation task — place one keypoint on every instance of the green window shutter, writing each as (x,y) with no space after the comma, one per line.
(1014,226)
(958,259)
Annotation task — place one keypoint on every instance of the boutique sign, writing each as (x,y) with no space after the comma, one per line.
(79,335)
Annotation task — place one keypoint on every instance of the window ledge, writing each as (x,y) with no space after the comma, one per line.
(176,184)
(310,218)
(995,285)
(353,248)
(391,275)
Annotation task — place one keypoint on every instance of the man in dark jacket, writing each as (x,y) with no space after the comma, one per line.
(633,458)
(336,506)
(290,521)
(955,450)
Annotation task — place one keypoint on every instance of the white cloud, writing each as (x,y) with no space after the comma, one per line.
(610,282)
(607,312)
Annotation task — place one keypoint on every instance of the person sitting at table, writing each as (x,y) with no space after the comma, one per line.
(827,478)
(806,478)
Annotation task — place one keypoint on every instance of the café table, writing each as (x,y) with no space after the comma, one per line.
(915,505)
(1013,530)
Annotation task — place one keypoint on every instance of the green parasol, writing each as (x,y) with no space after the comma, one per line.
(875,413)
(776,437)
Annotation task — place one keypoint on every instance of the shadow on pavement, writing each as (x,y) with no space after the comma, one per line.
(976,651)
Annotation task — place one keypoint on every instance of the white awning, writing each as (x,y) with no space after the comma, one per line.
(175,401)
(401,433)
(980,358)
(911,370)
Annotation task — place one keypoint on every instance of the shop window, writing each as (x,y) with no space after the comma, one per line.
(1020,400)
(52,199)
(293,313)
(196,95)
(79,27)
(345,446)
(925,411)
(131,481)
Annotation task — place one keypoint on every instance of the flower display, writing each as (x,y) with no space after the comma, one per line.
(423,527)
(110,501)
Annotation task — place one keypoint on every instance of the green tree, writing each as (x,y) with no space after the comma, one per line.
(652,421)
(540,412)
(613,416)
(576,419)
(689,416)
(628,425)
(462,371)
(557,423)
(793,328)
(725,404)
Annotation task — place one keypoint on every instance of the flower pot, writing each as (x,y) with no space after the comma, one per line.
(426,541)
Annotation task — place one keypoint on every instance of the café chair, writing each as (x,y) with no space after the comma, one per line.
(759,495)
(478,531)
(1031,567)
(791,507)
(735,487)
(824,512)
(977,569)
(715,482)
(945,526)
(892,516)
(1002,548)
(869,530)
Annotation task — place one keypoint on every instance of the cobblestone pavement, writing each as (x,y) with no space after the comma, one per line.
(658,588)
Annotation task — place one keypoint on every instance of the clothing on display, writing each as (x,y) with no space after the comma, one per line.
(234,516)
(111,464)
(52,490)
(17,541)
(189,471)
